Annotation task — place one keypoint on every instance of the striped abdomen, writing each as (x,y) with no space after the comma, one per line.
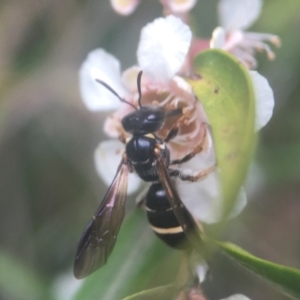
(162,219)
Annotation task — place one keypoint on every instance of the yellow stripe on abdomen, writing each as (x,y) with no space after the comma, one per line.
(171,230)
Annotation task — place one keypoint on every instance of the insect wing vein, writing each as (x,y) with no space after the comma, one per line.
(182,214)
(99,236)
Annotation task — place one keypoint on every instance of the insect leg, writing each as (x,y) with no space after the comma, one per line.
(187,176)
(172,133)
(122,137)
(189,156)
(196,150)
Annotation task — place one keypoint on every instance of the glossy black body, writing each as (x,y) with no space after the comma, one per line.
(147,119)
(141,124)
(140,152)
(162,218)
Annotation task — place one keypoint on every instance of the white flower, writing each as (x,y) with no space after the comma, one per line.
(126,7)
(264,99)
(107,157)
(66,286)
(204,198)
(162,50)
(200,266)
(102,65)
(236,16)
(156,55)
(236,297)
(163,47)
(178,8)
(161,53)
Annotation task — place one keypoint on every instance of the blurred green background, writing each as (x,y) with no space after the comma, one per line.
(48,185)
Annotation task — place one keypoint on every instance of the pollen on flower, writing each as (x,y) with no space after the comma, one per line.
(275,40)
(244,45)
(235,17)
(258,41)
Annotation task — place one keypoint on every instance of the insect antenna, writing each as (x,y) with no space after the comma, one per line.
(139,78)
(114,92)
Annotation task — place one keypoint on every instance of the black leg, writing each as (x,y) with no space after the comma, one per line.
(175,128)
(187,176)
(172,134)
(196,150)
(189,156)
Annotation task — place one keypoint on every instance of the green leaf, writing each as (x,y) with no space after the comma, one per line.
(19,281)
(224,87)
(284,278)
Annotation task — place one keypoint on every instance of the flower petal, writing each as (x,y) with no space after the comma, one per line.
(163,47)
(107,158)
(66,286)
(218,38)
(124,7)
(238,14)
(203,198)
(201,270)
(181,6)
(200,197)
(264,99)
(100,65)
(129,78)
(236,297)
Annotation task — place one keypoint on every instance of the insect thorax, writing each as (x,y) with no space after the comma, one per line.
(140,153)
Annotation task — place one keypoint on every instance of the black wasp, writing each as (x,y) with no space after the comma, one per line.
(149,157)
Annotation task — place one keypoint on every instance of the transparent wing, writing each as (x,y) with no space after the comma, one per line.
(184,217)
(99,236)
